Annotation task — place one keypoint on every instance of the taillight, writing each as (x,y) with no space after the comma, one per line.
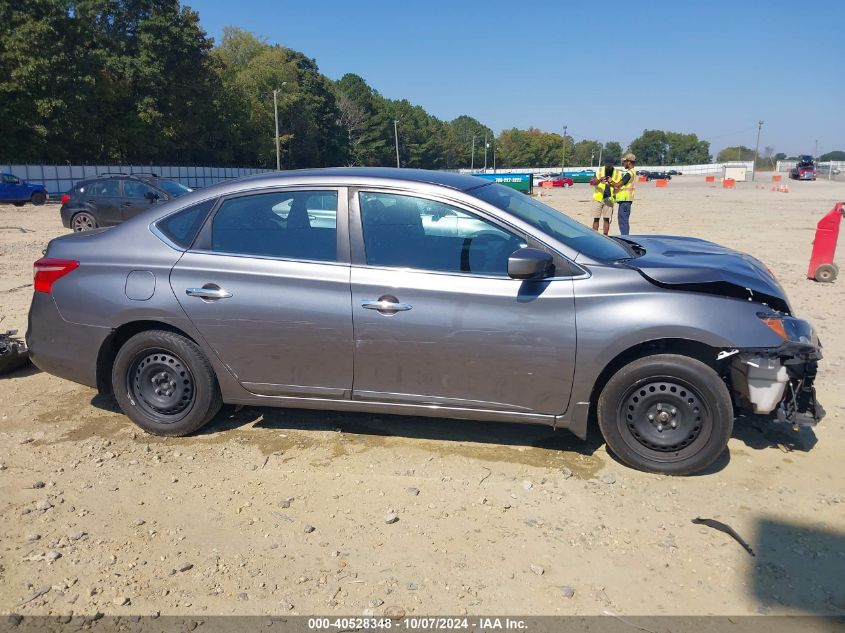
(65,198)
(48,270)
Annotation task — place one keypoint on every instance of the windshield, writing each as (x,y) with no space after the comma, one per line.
(551,222)
(173,188)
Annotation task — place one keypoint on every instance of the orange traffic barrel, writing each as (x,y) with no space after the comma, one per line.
(710,179)
(729,183)
(642,179)
(546,184)
(661,182)
(776,178)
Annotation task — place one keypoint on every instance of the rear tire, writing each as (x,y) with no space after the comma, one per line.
(165,384)
(666,413)
(19,204)
(38,198)
(83,221)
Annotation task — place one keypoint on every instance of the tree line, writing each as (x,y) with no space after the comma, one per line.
(139,81)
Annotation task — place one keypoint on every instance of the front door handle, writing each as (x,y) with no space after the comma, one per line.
(386,304)
(208,292)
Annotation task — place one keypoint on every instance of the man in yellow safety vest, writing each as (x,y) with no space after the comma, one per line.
(624,188)
(603,195)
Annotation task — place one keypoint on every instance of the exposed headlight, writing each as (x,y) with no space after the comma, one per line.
(788,328)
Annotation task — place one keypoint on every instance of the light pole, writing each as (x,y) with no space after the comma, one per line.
(563,166)
(276,113)
(592,156)
(396,136)
(486,145)
(494,154)
(472,160)
(756,149)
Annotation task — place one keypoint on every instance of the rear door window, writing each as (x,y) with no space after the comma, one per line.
(108,188)
(289,225)
(182,227)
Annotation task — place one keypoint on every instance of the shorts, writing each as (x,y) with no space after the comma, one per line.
(603,209)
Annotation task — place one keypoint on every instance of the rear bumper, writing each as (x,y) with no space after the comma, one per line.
(67,350)
(65,214)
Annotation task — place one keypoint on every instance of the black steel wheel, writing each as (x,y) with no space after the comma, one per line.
(164,383)
(83,221)
(666,413)
(161,384)
(39,197)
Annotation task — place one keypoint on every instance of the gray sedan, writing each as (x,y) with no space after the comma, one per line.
(421,293)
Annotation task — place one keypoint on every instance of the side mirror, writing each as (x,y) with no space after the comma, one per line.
(530,263)
(151,195)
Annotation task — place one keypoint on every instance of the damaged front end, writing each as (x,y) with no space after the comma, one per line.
(779,382)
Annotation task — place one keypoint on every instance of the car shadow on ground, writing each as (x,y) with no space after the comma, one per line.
(758,432)
(411,427)
(798,567)
(26,370)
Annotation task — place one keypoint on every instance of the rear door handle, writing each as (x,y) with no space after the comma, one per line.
(208,292)
(387,304)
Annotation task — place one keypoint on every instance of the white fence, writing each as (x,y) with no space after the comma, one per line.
(691,170)
(60,178)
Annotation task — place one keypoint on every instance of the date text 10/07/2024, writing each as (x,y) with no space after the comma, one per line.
(418,624)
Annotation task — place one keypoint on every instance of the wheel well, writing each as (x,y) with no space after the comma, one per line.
(109,348)
(682,347)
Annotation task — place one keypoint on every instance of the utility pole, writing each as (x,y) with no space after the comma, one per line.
(601,149)
(486,145)
(592,156)
(494,154)
(276,112)
(756,149)
(396,136)
(563,166)
(472,161)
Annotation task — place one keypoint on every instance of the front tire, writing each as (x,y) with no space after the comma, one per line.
(165,384)
(666,413)
(38,198)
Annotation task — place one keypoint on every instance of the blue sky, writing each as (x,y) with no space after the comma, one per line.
(714,68)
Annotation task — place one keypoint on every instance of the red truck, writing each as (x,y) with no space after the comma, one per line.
(805,169)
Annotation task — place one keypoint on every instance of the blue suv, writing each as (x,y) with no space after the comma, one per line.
(19,192)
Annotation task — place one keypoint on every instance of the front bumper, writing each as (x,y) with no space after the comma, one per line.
(779,382)
(58,347)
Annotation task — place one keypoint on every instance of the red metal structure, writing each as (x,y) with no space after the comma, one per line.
(822,267)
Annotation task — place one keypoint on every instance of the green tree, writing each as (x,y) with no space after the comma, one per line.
(686,149)
(834,155)
(310,132)
(532,148)
(735,153)
(103,80)
(650,147)
(613,151)
(585,153)
(658,147)
(462,134)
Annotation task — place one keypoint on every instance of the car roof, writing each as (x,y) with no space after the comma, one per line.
(369,175)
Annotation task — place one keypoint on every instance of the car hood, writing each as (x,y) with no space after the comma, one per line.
(687,263)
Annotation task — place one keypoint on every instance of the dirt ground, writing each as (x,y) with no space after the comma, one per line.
(283,511)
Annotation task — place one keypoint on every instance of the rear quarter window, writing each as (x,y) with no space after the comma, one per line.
(182,227)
